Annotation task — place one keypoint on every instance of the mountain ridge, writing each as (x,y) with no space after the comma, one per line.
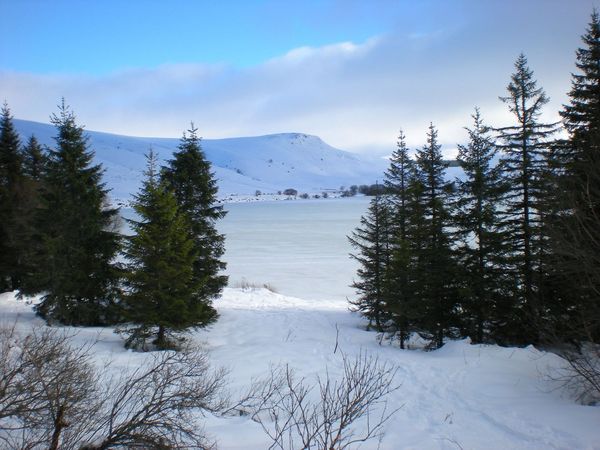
(242,165)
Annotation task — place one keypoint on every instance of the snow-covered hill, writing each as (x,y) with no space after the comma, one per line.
(242,165)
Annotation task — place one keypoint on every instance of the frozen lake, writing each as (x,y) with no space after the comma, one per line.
(299,247)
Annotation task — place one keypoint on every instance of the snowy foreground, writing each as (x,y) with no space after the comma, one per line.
(460,397)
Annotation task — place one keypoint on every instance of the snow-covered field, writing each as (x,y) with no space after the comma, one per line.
(460,397)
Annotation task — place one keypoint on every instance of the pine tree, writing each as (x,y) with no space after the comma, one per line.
(524,145)
(398,182)
(372,243)
(161,255)
(577,231)
(195,188)
(434,270)
(77,232)
(482,249)
(11,180)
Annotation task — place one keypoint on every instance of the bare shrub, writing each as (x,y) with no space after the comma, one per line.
(52,396)
(46,387)
(327,414)
(581,376)
(158,405)
(250,286)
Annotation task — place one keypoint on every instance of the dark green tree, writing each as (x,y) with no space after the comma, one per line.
(398,182)
(78,233)
(27,230)
(161,285)
(434,274)
(525,145)
(195,188)
(582,116)
(371,240)
(481,242)
(11,187)
(34,159)
(576,233)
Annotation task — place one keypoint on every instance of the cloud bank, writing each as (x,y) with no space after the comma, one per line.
(356,96)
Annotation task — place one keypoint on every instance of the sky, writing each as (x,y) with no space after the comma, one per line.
(352,72)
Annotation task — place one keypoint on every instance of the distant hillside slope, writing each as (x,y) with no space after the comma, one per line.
(242,165)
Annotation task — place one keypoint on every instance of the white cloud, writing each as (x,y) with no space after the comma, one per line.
(355,96)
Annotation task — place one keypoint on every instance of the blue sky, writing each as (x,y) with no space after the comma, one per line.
(352,72)
(98,37)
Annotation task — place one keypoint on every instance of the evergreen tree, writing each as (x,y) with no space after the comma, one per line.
(582,116)
(77,232)
(34,159)
(27,237)
(481,242)
(11,180)
(161,254)
(434,270)
(577,231)
(524,145)
(372,243)
(195,189)
(398,182)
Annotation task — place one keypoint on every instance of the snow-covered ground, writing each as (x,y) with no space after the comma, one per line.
(460,397)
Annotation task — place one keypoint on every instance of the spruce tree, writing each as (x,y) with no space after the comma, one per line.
(577,232)
(160,255)
(11,187)
(28,242)
(77,233)
(34,159)
(195,188)
(371,240)
(481,241)
(582,116)
(524,146)
(398,182)
(435,286)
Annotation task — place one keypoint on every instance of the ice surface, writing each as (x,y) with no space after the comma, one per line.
(299,247)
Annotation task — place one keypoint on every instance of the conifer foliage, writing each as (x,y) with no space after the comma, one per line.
(189,176)
(372,244)
(11,177)
(525,146)
(160,278)
(481,242)
(34,159)
(407,270)
(77,234)
(577,233)
(434,273)
(399,184)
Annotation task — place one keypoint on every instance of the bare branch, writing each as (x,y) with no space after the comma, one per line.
(345,412)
